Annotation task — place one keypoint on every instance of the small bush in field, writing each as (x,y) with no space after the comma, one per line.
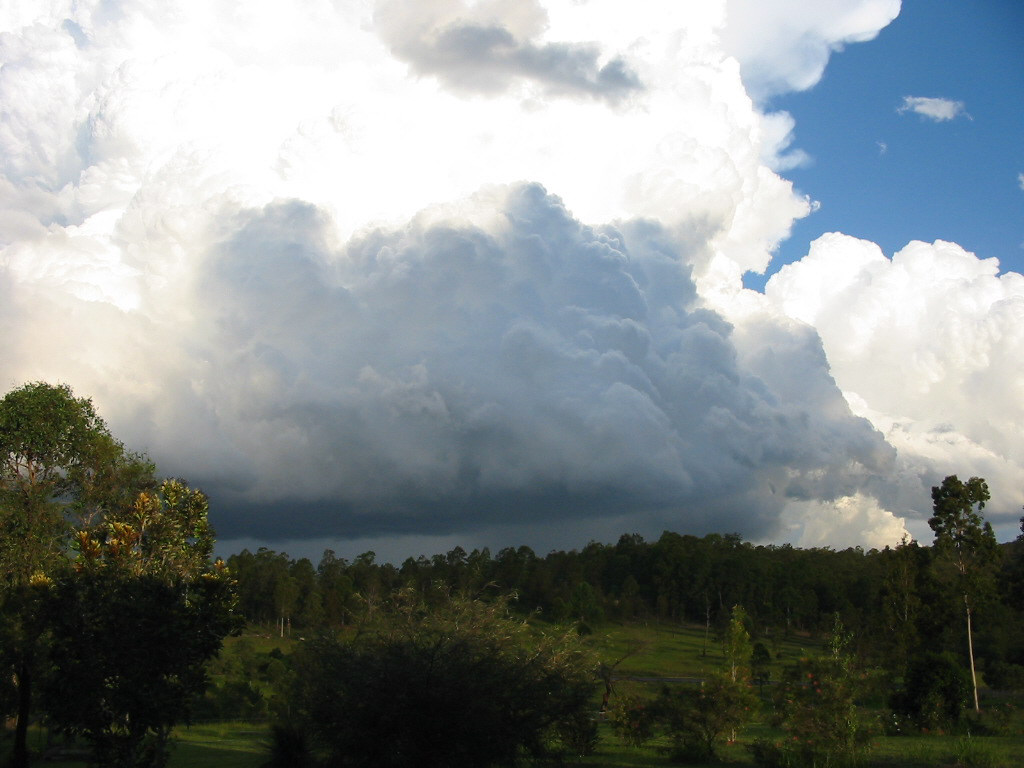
(698,719)
(816,707)
(631,719)
(970,752)
(935,692)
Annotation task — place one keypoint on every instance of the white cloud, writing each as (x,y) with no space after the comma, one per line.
(784,45)
(927,346)
(852,521)
(304,254)
(939,110)
(490,47)
(1020,180)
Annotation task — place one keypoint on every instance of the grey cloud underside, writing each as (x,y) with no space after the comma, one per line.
(489,59)
(444,377)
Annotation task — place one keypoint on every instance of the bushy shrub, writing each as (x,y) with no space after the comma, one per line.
(579,733)
(935,692)
(462,687)
(993,720)
(816,707)
(970,752)
(632,719)
(231,700)
(289,747)
(698,718)
(1004,676)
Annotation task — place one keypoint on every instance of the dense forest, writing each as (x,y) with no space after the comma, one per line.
(118,626)
(895,601)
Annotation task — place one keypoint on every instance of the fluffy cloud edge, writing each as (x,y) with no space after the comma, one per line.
(936,109)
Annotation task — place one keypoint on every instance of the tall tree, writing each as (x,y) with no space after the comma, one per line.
(966,547)
(134,624)
(58,464)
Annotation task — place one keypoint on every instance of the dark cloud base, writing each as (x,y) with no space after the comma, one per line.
(450,375)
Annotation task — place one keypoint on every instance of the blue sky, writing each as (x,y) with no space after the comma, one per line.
(891,176)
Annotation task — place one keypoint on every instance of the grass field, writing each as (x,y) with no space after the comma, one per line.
(654,651)
(679,650)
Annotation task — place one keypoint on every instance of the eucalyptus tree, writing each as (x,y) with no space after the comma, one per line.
(966,547)
(134,624)
(59,466)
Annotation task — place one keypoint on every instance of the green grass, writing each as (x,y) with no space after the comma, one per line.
(655,651)
(220,745)
(663,650)
(241,745)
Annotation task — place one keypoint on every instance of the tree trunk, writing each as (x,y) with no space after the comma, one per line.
(970,654)
(707,623)
(19,753)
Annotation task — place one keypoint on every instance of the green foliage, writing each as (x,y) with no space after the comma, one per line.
(967,548)
(57,462)
(463,687)
(129,654)
(289,747)
(970,752)
(578,733)
(960,532)
(760,665)
(133,624)
(698,718)
(58,465)
(816,708)
(1005,676)
(935,691)
(164,532)
(633,720)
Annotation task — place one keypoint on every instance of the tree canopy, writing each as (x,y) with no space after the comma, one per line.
(105,575)
(464,687)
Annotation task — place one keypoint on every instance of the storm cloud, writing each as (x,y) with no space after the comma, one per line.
(473,272)
(447,373)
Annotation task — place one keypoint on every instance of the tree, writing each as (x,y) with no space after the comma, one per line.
(816,707)
(134,624)
(696,718)
(58,462)
(58,465)
(966,547)
(901,603)
(463,686)
(760,665)
(934,693)
(737,648)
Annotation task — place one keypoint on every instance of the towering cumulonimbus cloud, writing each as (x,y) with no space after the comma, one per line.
(446,372)
(927,345)
(443,268)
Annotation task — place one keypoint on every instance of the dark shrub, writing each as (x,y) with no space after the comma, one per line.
(935,691)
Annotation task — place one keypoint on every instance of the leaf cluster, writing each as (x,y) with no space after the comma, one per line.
(816,706)
(464,687)
(128,652)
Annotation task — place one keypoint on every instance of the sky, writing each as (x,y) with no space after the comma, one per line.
(401,275)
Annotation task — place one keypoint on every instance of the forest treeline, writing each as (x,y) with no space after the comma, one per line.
(895,601)
(113,617)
